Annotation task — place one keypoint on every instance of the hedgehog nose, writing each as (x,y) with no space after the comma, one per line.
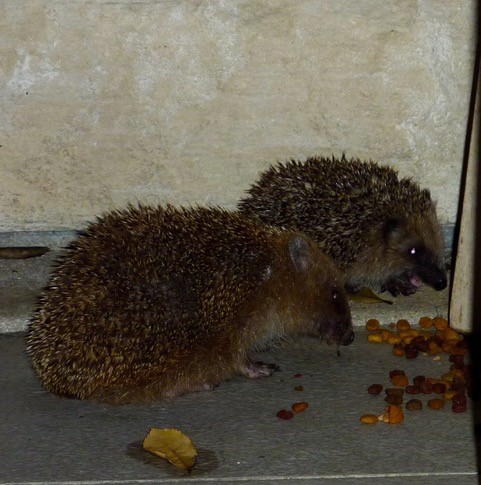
(441,283)
(347,338)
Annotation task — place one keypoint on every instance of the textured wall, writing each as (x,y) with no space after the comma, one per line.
(108,102)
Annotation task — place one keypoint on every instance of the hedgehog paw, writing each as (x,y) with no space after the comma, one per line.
(254,370)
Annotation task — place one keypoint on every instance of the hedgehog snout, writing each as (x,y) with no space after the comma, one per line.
(339,332)
(434,276)
(347,338)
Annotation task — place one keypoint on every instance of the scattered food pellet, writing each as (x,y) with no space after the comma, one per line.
(439,388)
(285,414)
(394,414)
(433,338)
(372,325)
(375,337)
(448,395)
(299,388)
(412,390)
(436,403)
(459,407)
(398,350)
(414,405)
(440,323)
(392,399)
(426,387)
(369,419)
(418,380)
(411,353)
(299,406)
(403,324)
(374,389)
(399,380)
(396,372)
(425,322)
(298,375)
(394,391)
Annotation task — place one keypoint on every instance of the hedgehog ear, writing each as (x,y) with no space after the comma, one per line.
(392,227)
(301,253)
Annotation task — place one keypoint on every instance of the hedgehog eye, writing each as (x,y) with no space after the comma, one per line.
(334,294)
(413,251)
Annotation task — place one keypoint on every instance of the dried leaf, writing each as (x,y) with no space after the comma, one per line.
(366,295)
(19,252)
(172,445)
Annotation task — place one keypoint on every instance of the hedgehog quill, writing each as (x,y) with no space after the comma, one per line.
(154,302)
(381,231)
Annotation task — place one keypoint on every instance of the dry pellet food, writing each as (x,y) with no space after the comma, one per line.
(299,406)
(396,372)
(375,389)
(418,379)
(394,339)
(394,391)
(372,325)
(439,388)
(420,343)
(394,414)
(440,323)
(414,405)
(412,390)
(375,337)
(398,350)
(394,399)
(451,334)
(456,359)
(426,322)
(369,419)
(400,380)
(285,414)
(411,352)
(448,395)
(459,397)
(403,324)
(436,403)
(426,387)
(299,388)
(459,407)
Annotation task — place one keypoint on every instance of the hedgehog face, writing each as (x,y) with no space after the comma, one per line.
(338,327)
(415,255)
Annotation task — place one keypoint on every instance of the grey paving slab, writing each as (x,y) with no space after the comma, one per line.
(49,439)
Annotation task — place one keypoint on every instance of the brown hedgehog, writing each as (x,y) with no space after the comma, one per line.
(153,302)
(381,231)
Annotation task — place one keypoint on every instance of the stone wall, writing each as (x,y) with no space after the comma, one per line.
(184,101)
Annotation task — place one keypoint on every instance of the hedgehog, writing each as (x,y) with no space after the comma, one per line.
(152,302)
(381,231)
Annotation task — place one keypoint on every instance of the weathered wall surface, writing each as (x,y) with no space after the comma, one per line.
(108,102)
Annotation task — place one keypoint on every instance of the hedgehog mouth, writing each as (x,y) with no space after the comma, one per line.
(405,284)
(415,280)
(339,333)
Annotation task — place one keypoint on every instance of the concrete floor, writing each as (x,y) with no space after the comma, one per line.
(47,439)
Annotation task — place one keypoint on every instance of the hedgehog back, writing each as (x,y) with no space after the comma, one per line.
(143,285)
(335,201)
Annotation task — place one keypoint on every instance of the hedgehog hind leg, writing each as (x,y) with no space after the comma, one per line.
(148,391)
(254,370)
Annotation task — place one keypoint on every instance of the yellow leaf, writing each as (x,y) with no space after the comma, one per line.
(172,445)
(365,295)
